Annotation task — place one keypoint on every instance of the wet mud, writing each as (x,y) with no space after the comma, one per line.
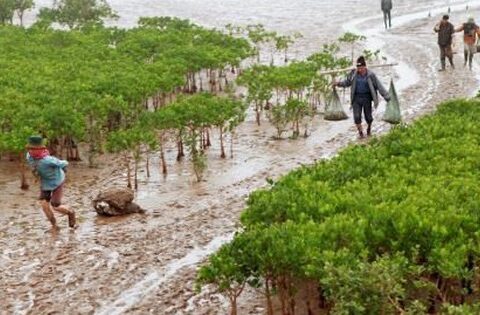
(146,263)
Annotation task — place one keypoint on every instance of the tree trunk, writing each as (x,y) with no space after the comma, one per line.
(180,153)
(162,157)
(222,148)
(281,291)
(148,164)
(231,144)
(23,182)
(129,172)
(209,143)
(257,112)
(136,173)
(268,295)
(194,83)
(233,305)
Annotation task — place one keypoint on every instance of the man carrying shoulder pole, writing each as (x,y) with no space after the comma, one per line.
(364,90)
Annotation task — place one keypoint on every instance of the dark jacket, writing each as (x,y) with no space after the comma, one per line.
(445,32)
(373,83)
(386,5)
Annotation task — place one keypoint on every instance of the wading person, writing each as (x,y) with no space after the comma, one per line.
(387,8)
(51,172)
(445,30)
(470,32)
(364,90)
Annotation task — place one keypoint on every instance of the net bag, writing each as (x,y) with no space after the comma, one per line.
(392,111)
(333,108)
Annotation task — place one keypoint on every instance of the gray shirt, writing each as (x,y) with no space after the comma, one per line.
(373,84)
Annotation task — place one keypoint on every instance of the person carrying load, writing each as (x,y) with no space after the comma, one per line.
(364,90)
(470,32)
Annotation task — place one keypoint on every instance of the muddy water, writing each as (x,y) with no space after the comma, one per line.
(145,263)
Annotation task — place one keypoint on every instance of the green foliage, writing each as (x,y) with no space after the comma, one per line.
(350,37)
(7,10)
(461,310)
(278,117)
(85,84)
(391,227)
(298,80)
(78,13)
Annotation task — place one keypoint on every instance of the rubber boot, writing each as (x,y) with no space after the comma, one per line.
(360,131)
(48,212)
(369,130)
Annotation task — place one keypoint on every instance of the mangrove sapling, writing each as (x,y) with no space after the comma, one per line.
(227,114)
(352,39)
(258,80)
(278,117)
(128,143)
(258,35)
(14,143)
(283,42)
(199,162)
(297,111)
(371,55)
(21,6)
(163,122)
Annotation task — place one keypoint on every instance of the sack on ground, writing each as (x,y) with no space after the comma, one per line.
(392,112)
(333,108)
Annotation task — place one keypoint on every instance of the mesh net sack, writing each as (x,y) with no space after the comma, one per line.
(333,108)
(392,111)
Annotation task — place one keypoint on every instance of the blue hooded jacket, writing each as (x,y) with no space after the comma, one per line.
(50,170)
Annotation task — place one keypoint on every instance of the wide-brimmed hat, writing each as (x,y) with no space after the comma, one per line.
(35,142)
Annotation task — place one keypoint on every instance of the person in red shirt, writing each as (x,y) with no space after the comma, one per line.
(470,33)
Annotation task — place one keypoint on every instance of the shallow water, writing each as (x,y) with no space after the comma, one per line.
(145,263)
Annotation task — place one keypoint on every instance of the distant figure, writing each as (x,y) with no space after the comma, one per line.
(364,87)
(386,8)
(51,172)
(445,30)
(470,33)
